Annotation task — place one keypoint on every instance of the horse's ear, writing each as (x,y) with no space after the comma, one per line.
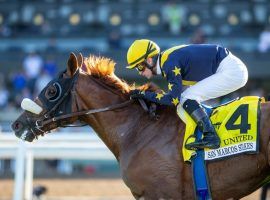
(72,64)
(80,60)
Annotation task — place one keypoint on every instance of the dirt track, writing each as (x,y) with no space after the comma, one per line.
(83,188)
(73,188)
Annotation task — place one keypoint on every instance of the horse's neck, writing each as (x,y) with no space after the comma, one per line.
(113,126)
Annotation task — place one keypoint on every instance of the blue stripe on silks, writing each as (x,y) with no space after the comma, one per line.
(200,176)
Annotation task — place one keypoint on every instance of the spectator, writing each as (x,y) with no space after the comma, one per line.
(4,93)
(18,82)
(114,40)
(50,67)
(65,167)
(52,47)
(32,65)
(198,37)
(46,28)
(5,31)
(264,40)
(4,96)
(42,81)
(173,15)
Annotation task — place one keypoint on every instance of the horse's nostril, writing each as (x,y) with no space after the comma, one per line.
(17,126)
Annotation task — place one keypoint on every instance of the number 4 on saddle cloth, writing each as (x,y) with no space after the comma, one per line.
(236,123)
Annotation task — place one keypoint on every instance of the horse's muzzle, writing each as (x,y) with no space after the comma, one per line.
(22,131)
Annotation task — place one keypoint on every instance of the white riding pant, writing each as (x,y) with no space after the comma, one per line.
(231,75)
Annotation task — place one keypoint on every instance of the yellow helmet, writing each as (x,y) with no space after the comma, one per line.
(140,50)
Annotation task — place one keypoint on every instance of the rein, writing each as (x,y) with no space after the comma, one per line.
(87,112)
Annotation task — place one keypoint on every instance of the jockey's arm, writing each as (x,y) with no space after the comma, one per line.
(172,97)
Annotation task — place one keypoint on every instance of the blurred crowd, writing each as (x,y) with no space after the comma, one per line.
(28,81)
(36,71)
(93,18)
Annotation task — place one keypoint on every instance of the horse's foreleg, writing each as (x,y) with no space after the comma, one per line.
(138,196)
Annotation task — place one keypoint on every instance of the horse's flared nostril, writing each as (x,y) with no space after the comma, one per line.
(17,126)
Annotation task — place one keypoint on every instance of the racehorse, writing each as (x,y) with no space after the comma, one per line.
(149,151)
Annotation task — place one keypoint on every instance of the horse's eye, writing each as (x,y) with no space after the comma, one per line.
(53,92)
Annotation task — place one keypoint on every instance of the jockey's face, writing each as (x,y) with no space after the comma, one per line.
(147,73)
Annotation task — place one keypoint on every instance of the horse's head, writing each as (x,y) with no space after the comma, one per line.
(85,87)
(55,100)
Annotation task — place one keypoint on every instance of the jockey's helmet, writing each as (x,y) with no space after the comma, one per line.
(140,50)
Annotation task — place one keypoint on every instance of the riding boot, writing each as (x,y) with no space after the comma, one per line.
(198,114)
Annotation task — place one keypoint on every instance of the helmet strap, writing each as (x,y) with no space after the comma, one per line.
(154,62)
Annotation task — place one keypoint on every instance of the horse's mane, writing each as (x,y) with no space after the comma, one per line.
(103,68)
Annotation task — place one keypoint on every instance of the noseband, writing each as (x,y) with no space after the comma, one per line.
(45,120)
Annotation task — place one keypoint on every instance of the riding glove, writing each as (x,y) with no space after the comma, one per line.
(136,94)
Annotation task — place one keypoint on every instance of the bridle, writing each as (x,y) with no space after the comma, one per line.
(44,120)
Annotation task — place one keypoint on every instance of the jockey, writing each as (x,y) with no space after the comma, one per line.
(208,71)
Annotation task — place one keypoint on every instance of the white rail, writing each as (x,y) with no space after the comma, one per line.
(52,146)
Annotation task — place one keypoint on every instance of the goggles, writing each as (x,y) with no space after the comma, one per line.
(140,67)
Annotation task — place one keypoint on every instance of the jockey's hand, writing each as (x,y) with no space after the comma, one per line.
(136,94)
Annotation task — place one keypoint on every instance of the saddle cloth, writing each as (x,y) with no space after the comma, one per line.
(237,125)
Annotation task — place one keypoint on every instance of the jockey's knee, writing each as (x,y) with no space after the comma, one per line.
(244,77)
(239,76)
(241,80)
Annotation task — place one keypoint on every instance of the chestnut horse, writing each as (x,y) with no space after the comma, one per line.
(148,151)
